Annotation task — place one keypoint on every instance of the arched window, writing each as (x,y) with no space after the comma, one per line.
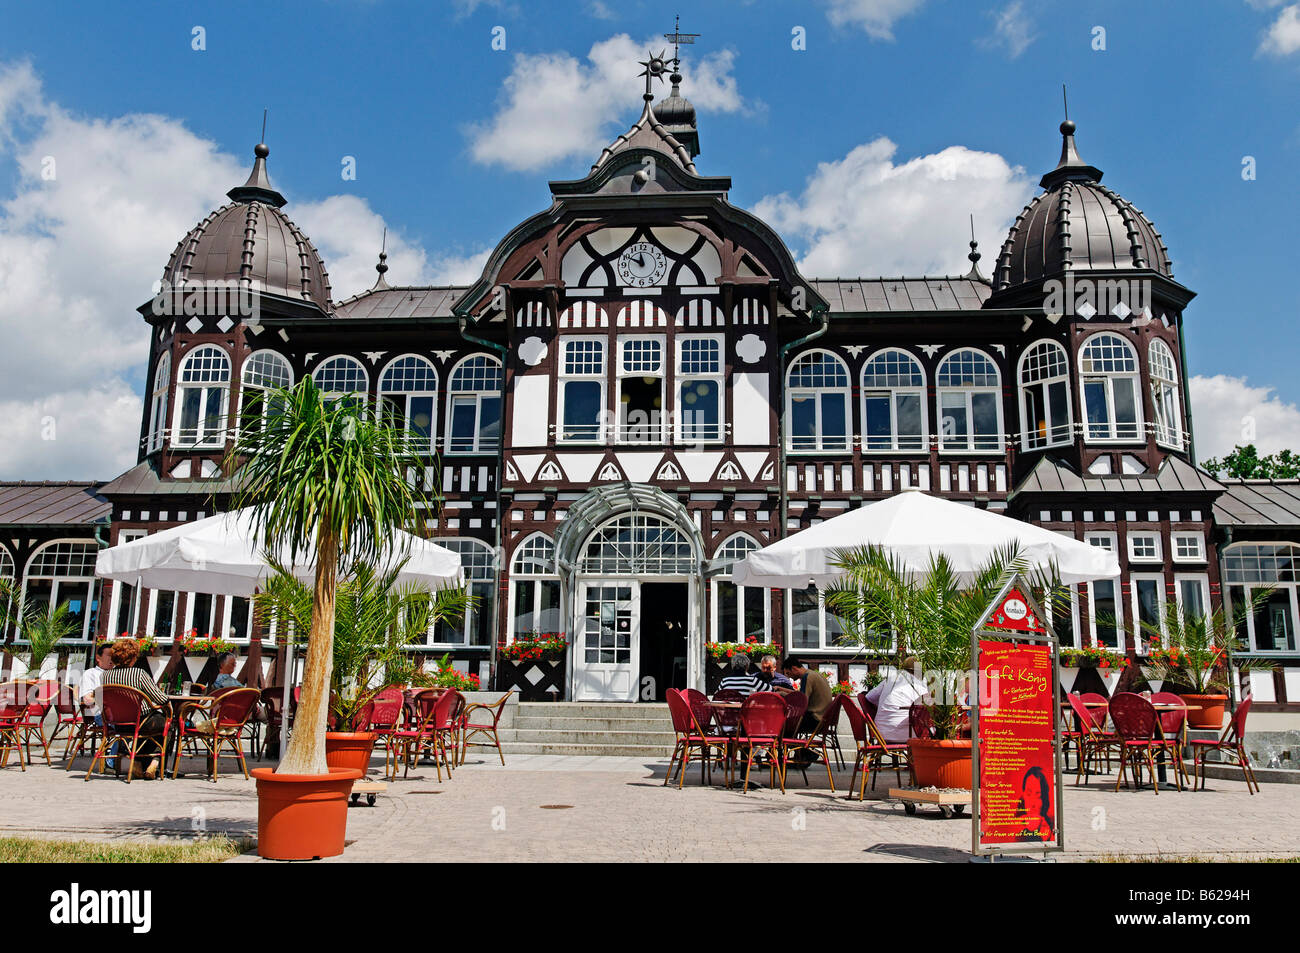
(970,401)
(1045,396)
(263,373)
(638,544)
(893,402)
(62,571)
(739,612)
(1164,394)
(408,393)
(342,377)
(535,588)
(201,398)
(479,563)
(1250,569)
(162,377)
(474,405)
(817,403)
(1108,369)
(6,575)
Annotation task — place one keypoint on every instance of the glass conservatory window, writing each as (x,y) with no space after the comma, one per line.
(638,544)
(1164,395)
(1109,377)
(1045,396)
(1250,567)
(343,376)
(201,396)
(817,403)
(408,394)
(893,402)
(64,571)
(970,402)
(474,405)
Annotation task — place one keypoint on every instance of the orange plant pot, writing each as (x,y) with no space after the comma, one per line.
(302,816)
(941,764)
(349,749)
(1211,713)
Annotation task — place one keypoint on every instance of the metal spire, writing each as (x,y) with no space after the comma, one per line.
(381,283)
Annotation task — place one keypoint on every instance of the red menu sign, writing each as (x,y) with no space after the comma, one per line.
(1015,613)
(1017,774)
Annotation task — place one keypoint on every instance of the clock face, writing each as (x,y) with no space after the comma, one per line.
(642,265)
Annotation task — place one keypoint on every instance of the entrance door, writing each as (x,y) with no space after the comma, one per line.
(607,656)
(664,617)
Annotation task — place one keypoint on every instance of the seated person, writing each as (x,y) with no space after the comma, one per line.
(816,687)
(768,673)
(153,721)
(226,668)
(739,679)
(88,690)
(894,698)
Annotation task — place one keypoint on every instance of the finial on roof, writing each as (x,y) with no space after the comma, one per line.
(974,274)
(258,187)
(655,66)
(381,283)
(1070,167)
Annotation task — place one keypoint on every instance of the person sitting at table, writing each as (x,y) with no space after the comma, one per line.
(88,690)
(739,679)
(226,672)
(153,722)
(894,698)
(818,689)
(768,673)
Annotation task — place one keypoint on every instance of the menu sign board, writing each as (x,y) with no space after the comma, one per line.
(1017,768)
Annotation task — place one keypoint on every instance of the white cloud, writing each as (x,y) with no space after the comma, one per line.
(1283,37)
(80,250)
(875,17)
(555,106)
(1227,411)
(866,215)
(1013,30)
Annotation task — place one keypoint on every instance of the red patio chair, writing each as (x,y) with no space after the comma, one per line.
(866,707)
(13,709)
(919,722)
(700,707)
(386,715)
(690,736)
(1231,746)
(816,740)
(488,717)
(272,703)
(762,721)
(41,696)
(227,713)
(727,719)
(124,708)
(1136,725)
(873,749)
(1091,739)
(1173,728)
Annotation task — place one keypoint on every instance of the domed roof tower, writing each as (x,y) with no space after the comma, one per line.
(252,241)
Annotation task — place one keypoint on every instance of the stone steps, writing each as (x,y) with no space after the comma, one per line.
(641,730)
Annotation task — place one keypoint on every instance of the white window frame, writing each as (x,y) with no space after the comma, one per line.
(92,588)
(1112,545)
(1200,556)
(518,574)
(1291,588)
(601,378)
(212,617)
(259,388)
(1107,379)
(1202,580)
(968,392)
(1059,433)
(8,573)
(684,379)
(822,644)
(1139,637)
(1133,556)
(115,600)
(817,393)
(484,605)
(475,395)
(715,614)
(893,392)
(162,376)
(330,393)
(1162,370)
(204,437)
(654,430)
(406,392)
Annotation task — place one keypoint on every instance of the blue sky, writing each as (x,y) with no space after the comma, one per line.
(454,140)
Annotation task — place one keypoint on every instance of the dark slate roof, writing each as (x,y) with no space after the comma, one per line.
(1174,476)
(404,302)
(868,295)
(143,479)
(1259,503)
(52,504)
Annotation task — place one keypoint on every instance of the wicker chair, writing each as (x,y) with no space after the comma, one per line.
(470,728)
(226,715)
(1230,745)
(1136,726)
(691,736)
(816,740)
(762,723)
(124,711)
(13,710)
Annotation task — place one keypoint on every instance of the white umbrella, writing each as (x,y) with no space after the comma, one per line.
(911,527)
(222,555)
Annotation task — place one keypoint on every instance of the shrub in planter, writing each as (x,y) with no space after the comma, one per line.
(932,614)
(43,629)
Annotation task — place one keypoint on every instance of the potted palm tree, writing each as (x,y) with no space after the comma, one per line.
(43,629)
(375,623)
(1193,655)
(931,614)
(319,472)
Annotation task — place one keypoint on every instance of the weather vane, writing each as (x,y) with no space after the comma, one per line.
(678,37)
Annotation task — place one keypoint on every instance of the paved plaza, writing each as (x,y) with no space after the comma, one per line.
(550,808)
